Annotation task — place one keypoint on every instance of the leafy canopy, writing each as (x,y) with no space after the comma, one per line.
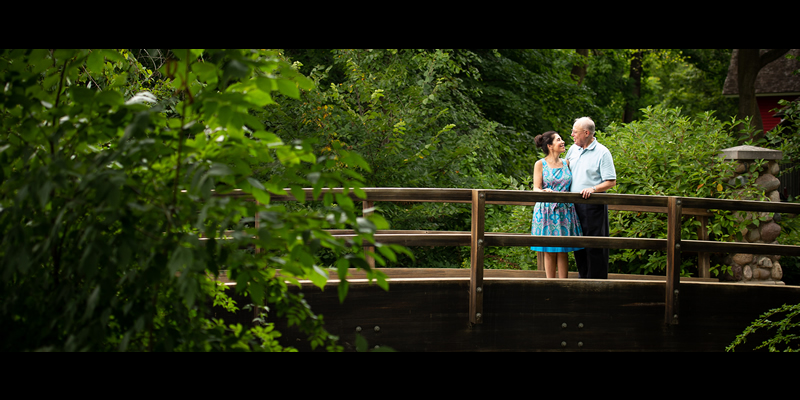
(113,211)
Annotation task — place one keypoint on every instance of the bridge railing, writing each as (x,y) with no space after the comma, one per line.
(478,239)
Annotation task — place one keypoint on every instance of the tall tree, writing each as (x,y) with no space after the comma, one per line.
(579,69)
(635,89)
(750,62)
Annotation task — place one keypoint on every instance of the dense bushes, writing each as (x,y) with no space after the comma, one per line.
(670,154)
(107,216)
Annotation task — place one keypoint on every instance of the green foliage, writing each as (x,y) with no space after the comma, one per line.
(689,79)
(530,90)
(465,118)
(411,117)
(112,227)
(782,320)
(669,154)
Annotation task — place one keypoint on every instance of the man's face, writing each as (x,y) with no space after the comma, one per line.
(580,135)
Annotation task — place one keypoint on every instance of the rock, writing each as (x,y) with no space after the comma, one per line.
(738,181)
(761,274)
(747,272)
(753,235)
(765,262)
(768,182)
(777,272)
(742,258)
(741,168)
(737,273)
(770,231)
(773,168)
(774,196)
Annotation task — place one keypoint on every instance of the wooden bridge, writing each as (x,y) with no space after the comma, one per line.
(504,310)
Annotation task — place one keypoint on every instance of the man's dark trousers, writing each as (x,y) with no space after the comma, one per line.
(592,263)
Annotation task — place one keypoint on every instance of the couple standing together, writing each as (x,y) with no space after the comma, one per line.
(588,168)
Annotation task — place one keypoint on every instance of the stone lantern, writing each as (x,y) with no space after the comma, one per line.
(756,268)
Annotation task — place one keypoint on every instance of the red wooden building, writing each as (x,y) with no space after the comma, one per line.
(775,82)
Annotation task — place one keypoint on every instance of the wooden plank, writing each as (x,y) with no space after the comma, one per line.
(524,239)
(433,195)
(336,232)
(662,210)
(741,205)
(703,257)
(476,257)
(464,273)
(673,260)
(515,239)
(445,239)
(540,261)
(453,238)
(739,247)
(257,225)
(536,315)
(367,205)
(522,197)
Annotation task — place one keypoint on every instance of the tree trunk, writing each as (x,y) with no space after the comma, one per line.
(636,90)
(579,70)
(750,62)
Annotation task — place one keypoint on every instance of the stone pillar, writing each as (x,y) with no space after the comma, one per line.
(756,268)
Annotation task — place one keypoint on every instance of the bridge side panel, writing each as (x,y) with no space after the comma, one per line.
(541,315)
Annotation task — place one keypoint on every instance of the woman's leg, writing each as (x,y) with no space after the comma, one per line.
(563,265)
(550,264)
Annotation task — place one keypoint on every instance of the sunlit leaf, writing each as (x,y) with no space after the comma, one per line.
(288,88)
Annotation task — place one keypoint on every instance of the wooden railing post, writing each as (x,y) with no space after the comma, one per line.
(365,205)
(703,257)
(673,260)
(476,257)
(257,226)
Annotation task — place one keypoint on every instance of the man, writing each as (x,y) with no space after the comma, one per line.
(593,171)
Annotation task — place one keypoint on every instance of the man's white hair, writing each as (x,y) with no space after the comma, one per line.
(585,123)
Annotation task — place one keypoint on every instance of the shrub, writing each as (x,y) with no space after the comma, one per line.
(109,208)
(669,154)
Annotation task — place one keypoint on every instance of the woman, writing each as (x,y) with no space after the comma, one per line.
(552,174)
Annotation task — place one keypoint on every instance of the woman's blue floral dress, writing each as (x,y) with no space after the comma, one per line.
(555,219)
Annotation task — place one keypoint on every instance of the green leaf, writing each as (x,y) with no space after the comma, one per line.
(95,61)
(378,221)
(261,196)
(342,288)
(361,343)
(298,193)
(259,98)
(266,84)
(288,88)
(218,169)
(318,277)
(181,258)
(387,252)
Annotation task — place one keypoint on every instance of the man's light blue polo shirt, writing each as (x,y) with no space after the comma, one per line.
(590,166)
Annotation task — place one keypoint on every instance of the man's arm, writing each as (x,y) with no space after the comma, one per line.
(585,193)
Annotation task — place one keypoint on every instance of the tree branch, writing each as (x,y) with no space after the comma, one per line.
(771,55)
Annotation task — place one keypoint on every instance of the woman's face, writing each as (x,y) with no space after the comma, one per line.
(557,146)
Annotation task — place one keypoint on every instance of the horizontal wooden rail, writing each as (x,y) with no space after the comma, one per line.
(478,239)
(529,198)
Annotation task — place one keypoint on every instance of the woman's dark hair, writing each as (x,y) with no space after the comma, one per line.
(544,139)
